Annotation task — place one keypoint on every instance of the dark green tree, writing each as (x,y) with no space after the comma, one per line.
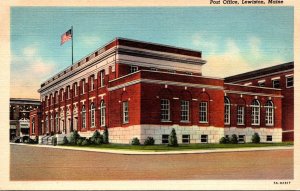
(173,139)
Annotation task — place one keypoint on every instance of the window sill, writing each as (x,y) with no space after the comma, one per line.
(271,125)
(241,124)
(205,122)
(125,122)
(185,122)
(165,121)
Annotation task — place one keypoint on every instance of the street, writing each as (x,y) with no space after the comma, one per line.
(37,163)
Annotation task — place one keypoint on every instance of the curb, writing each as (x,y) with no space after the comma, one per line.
(127,152)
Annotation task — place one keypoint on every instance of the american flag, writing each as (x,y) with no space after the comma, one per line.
(66,36)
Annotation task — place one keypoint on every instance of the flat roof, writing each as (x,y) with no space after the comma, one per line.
(261,72)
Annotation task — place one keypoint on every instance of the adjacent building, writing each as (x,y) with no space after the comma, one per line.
(140,89)
(19,115)
(281,77)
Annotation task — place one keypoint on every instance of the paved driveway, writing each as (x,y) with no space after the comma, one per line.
(36,163)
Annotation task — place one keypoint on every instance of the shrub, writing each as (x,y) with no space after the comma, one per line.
(97,138)
(54,141)
(36,140)
(74,137)
(65,141)
(105,136)
(85,142)
(135,141)
(255,138)
(149,141)
(98,141)
(224,140)
(79,141)
(173,139)
(234,139)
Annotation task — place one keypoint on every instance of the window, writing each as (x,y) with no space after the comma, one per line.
(289,81)
(240,115)
(276,83)
(203,112)
(133,69)
(262,84)
(75,89)
(83,117)
(33,127)
(241,138)
(92,116)
(125,112)
(102,75)
(82,86)
(204,139)
(165,139)
(46,124)
(255,112)
(102,113)
(184,111)
(165,109)
(62,94)
(56,97)
(226,111)
(186,139)
(92,87)
(68,92)
(51,122)
(269,137)
(269,113)
(56,122)
(51,100)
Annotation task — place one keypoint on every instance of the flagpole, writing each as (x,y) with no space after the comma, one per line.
(72,42)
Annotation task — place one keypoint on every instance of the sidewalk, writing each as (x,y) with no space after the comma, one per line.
(131,152)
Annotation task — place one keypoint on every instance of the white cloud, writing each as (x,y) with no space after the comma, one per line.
(28,70)
(207,45)
(234,61)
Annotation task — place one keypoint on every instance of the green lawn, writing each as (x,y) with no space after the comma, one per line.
(181,146)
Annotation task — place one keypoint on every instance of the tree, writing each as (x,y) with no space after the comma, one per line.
(255,138)
(173,139)
(105,136)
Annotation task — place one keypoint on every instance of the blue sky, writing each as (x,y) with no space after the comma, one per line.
(232,39)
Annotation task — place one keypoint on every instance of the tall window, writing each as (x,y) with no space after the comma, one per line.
(203,112)
(68,92)
(165,109)
(255,112)
(226,111)
(185,108)
(240,115)
(46,101)
(62,94)
(269,113)
(46,124)
(82,86)
(276,83)
(102,75)
(75,89)
(92,83)
(102,113)
(51,122)
(289,81)
(56,122)
(92,116)
(83,117)
(33,127)
(125,112)
(51,99)
(133,69)
(56,97)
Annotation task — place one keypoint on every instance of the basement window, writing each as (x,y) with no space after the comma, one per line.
(204,139)
(241,139)
(186,139)
(165,139)
(269,137)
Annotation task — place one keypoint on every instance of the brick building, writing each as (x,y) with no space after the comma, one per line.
(141,89)
(279,76)
(19,115)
